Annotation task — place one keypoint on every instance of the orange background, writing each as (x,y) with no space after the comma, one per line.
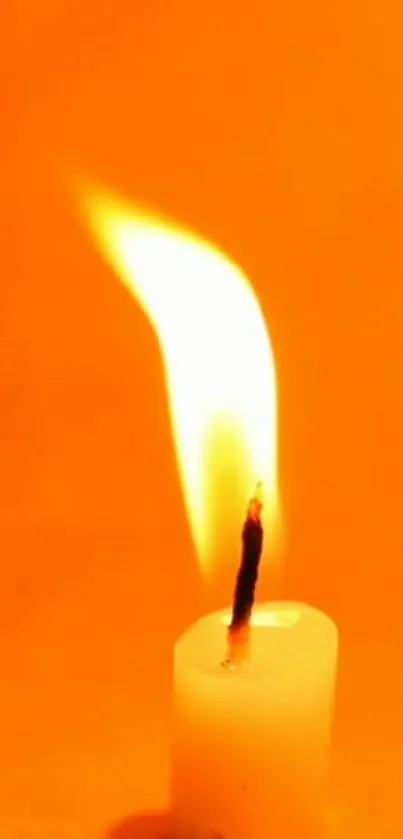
(275,130)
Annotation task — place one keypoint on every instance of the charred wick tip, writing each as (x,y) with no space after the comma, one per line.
(255,505)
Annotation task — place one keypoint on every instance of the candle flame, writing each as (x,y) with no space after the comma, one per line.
(218,361)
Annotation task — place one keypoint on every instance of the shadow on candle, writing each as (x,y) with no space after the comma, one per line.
(148,826)
(143,826)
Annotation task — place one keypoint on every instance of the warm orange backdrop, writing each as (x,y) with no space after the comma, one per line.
(275,130)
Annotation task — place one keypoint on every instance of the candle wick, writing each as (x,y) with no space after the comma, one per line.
(239,631)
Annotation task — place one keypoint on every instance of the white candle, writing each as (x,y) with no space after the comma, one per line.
(251,746)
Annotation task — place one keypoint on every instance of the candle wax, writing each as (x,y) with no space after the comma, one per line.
(251,746)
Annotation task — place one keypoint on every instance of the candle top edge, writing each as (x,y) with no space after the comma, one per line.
(282,632)
(280,614)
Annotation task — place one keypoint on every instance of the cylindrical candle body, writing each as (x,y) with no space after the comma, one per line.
(251,746)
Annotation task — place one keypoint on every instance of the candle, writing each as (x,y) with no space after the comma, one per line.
(251,739)
(251,747)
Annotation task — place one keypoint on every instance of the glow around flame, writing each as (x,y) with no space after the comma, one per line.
(218,359)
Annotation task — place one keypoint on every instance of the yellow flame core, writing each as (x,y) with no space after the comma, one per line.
(215,346)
